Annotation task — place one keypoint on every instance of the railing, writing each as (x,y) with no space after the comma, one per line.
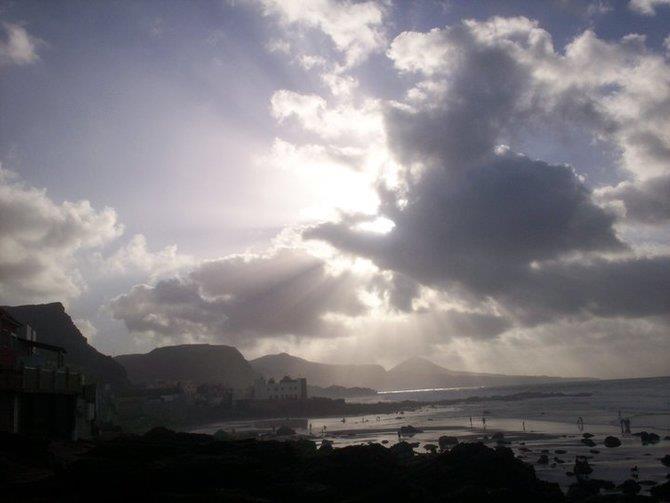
(39,380)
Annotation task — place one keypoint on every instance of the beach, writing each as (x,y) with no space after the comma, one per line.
(550,423)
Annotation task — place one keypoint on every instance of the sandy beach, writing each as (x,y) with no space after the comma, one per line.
(550,428)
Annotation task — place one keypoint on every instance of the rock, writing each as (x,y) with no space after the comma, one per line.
(284,431)
(585,489)
(630,487)
(385,442)
(647,438)
(560,451)
(409,430)
(498,436)
(402,451)
(558,460)
(588,442)
(326,445)
(543,460)
(665,460)
(414,445)
(587,435)
(612,442)
(582,466)
(222,436)
(594,451)
(445,441)
(662,491)
(432,448)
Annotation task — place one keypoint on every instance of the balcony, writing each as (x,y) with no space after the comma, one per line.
(39,380)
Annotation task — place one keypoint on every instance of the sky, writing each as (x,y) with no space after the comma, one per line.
(485,184)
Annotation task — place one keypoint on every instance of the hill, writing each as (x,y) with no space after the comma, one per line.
(419,373)
(320,374)
(54,326)
(199,363)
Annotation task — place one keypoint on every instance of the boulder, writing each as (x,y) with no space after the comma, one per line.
(630,487)
(543,460)
(588,442)
(647,438)
(402,451)
(582,466)
(409,430)
(661,491)
(611,442)
(666,460)
(285,430)
(445,441)
(432,448)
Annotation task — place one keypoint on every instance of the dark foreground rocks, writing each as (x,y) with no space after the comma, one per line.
(163,465)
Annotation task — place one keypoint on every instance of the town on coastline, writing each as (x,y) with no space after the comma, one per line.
(70,416)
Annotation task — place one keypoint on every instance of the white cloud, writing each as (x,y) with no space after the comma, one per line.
(355,28)
(314,114)
(135,258)
(39,241)
(87,328)
(17,47)
(647,7)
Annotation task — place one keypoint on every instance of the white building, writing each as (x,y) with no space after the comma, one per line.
(286,389)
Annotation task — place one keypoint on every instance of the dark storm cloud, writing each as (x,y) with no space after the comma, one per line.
(647,202)
(482,229)
(499,226)
(243,297)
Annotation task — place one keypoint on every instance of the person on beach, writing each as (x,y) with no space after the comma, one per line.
(523,425)
(483,422)
(626,425)
(470,422)
(580,423)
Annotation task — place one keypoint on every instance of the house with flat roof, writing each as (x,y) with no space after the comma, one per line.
(39,395)
(285,389)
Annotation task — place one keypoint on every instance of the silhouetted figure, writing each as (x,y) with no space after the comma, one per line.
(483,422)
(310,428)
(580,423)
(470,422)
(626,425)
(523,425)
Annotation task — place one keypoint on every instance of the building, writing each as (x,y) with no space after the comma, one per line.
(286,389)
(39,395)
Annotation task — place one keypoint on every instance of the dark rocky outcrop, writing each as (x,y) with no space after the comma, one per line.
(446,441)
(54,326)
(611,442)
(647,438)
(198,363)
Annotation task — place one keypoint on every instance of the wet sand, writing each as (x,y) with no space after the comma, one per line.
(541,437)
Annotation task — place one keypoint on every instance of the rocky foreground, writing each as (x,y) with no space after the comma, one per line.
(168,466)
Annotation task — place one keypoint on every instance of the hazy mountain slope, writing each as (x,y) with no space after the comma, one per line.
(54,326)
(417,373)
(199,363)
(320,374)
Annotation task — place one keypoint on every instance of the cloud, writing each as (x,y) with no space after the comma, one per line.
(135,257)
(244,298)
(314,115)
(87,328)
(40,240)
(486,225)
(647,7)
(355,28)
(17,46)
(647,202)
